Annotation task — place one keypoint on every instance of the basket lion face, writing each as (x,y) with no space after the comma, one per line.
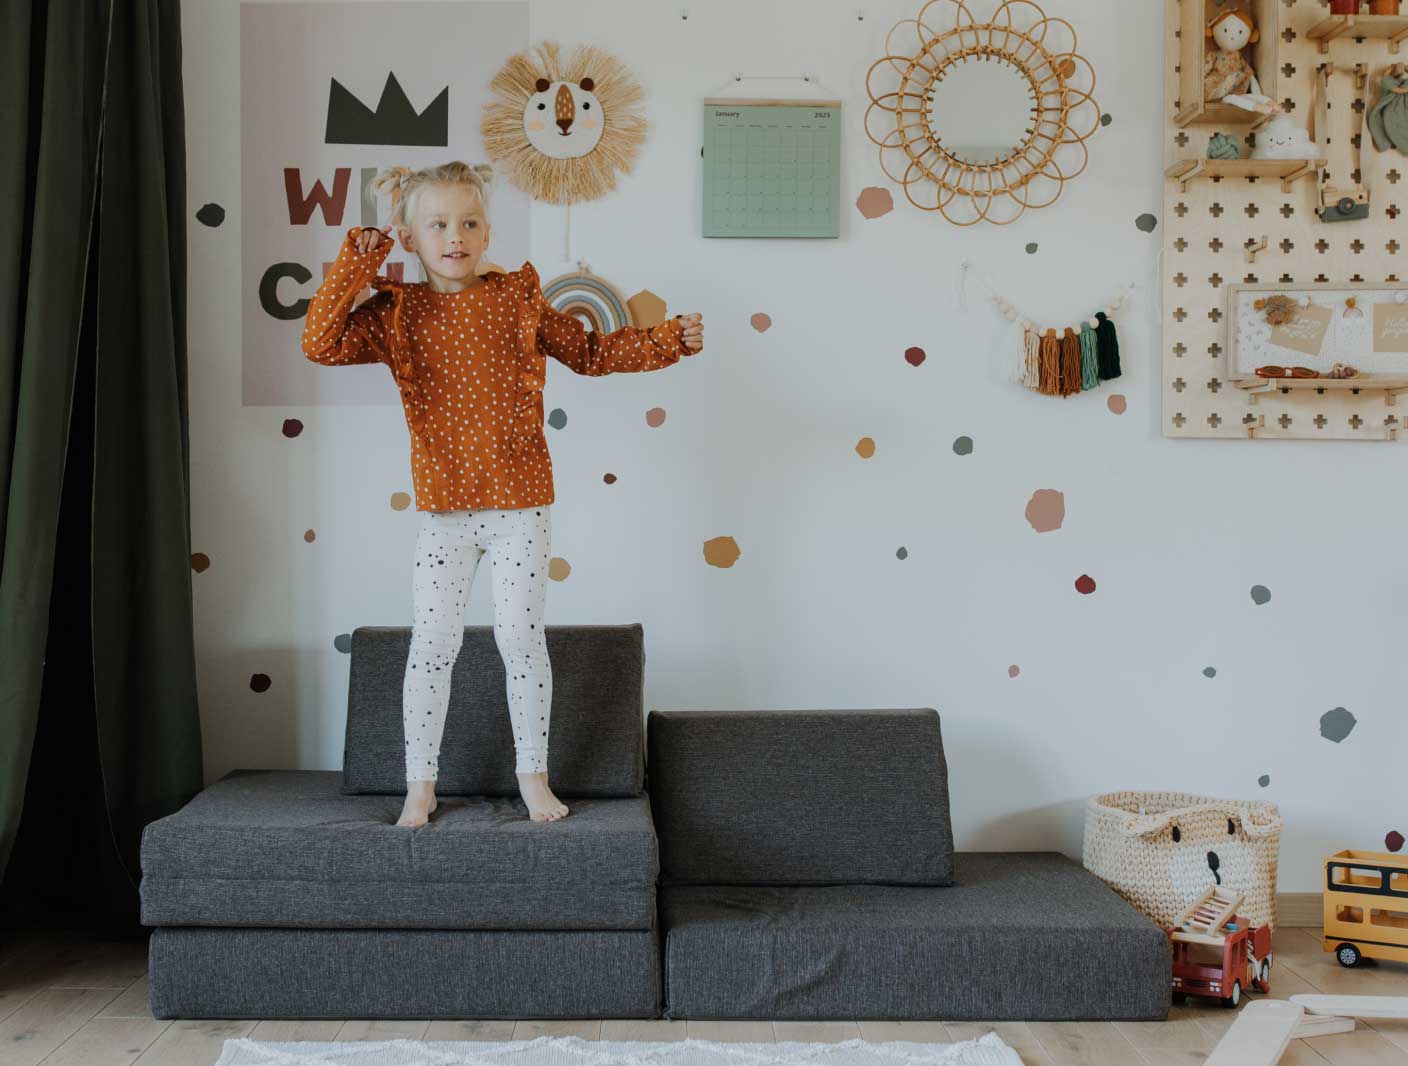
(1207,852)
(564,127)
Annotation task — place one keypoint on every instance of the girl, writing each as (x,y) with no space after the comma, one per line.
(467,352)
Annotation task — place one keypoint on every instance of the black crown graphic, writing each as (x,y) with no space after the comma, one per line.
(394,122)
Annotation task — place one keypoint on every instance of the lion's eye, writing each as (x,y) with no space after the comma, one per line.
(542,107)
(586,105)
(1231,827)
(1177,836)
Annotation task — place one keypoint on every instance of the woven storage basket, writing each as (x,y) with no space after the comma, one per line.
(1163,850)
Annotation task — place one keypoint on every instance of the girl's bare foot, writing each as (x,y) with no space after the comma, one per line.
(543,806)
(420,802)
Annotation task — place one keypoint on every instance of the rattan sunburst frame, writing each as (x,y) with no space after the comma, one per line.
(1033,176)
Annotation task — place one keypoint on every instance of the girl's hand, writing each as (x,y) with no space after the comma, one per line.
(371,237)
(693,335)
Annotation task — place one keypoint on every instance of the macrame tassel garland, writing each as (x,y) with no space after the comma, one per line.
(1061,362)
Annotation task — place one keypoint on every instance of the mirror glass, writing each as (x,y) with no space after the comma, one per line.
(981,110)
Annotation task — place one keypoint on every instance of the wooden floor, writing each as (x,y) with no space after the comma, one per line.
(66,1000)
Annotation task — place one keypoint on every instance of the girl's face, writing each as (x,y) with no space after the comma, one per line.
(449,233)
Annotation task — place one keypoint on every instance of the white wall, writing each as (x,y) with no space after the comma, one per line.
(759,445)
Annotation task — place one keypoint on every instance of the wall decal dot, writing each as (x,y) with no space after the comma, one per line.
(259,682)
(1046,510)
(210,215)
(558,418)
(865,447)
(292,427)
(1264,780)
(963,446)
(761,322)
(1337,724)
(1394,841)
(558,569)
(1013,670)
(1085,584)
(1260,595)
(309,536)
(400,501)
(655,417)
(343,643)
(874,202)
(200,562)
(1146,223)
(1106,119)
(1117,404)
(1031,248)
(914,356)
(610,479)
(721,552)
(902,554)
(1209,671)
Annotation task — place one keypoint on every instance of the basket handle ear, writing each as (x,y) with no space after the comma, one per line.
(1150,824)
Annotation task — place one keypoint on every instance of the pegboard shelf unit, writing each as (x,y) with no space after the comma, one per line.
(1194,16)
(1391,385)
(1288,171)
(1393,28)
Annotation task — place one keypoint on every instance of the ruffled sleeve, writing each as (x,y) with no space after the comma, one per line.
(628,350)
(334,332)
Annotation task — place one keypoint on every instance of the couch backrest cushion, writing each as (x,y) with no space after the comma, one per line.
(800,797)
(595,734)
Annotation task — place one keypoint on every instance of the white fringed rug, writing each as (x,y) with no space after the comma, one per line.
(989,1050)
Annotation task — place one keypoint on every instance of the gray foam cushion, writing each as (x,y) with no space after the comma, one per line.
(402,973)
(1018,936)
(800,797)
(595,734)
(287,848)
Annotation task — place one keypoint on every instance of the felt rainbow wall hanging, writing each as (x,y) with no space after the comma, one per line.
(1055,360)
(592,299)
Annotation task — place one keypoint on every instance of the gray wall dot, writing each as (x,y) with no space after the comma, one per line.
(1337,724)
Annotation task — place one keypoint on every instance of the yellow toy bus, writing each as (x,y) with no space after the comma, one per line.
(1366,906)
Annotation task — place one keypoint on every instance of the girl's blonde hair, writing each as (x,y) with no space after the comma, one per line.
(405,184)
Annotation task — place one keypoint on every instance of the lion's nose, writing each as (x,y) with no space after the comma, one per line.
(566,108)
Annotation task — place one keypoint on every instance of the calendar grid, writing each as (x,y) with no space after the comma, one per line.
(772,170)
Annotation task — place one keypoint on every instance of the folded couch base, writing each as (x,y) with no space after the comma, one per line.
(259,973)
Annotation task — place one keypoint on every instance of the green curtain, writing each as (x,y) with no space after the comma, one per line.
(98,711)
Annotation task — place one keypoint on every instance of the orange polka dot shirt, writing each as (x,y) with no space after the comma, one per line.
(470,367)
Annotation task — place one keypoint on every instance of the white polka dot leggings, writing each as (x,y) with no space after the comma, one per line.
(449,546)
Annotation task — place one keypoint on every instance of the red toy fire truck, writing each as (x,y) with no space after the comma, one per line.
(1216,954)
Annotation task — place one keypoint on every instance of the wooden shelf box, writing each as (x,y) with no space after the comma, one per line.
(1193,44)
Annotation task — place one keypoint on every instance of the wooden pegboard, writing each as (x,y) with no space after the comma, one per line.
(1208,227)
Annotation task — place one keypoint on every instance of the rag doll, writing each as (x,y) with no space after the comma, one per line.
(1226,68)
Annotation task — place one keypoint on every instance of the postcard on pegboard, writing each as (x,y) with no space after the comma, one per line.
(1305,333)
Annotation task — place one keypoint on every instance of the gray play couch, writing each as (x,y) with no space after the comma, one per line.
(773,864)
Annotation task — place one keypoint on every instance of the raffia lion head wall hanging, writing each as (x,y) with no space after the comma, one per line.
(562,130)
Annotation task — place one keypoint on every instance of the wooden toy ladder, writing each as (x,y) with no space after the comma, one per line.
(1211,911)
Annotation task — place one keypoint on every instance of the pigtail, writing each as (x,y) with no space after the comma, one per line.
(394,180)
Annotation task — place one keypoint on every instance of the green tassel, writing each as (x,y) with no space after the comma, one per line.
(1089,357)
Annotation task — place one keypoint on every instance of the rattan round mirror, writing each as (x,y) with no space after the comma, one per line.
(980,121)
